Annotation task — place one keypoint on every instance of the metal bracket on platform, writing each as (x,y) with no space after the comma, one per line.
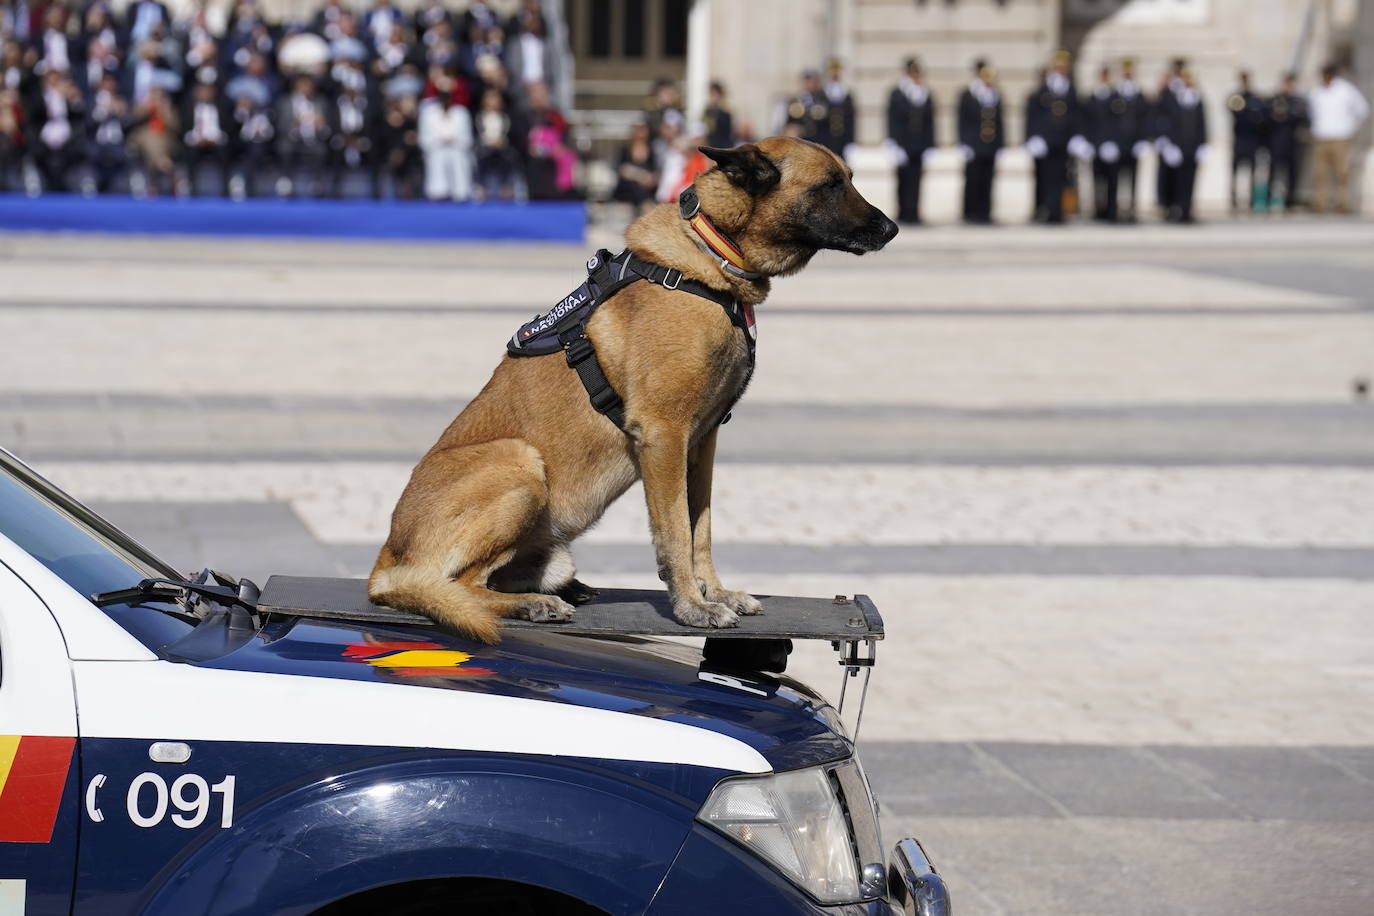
(853,658)
(868,626)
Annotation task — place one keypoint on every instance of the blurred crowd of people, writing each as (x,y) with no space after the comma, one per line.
(368,100)
(377,102)
(661,157)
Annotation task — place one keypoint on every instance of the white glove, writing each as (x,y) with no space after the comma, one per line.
(895,152)
(1080,148)
(848,152)
(1161,144)
(1141,148)
(1109,152)
(1172,155)
(1201,154)
(1037,147)
(966,151)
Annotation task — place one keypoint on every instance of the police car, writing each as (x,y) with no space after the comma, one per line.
(174,745)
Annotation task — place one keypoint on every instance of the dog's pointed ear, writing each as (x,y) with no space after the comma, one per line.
(746,167)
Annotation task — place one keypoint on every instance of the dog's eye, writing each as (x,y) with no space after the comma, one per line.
(834,183)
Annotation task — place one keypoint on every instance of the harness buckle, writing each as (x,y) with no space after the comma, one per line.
(676,283)
(577,350)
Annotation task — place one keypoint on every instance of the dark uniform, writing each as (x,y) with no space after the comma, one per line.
(809,111)
(1185,126)
(911,125)
(1055,118)
(1104,119)
(837,130)
(981,132)
(1249,117)
(1164,172)
(1287,129)
(1133,124)
(720,127)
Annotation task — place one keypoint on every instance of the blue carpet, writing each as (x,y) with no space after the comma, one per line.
(360,219)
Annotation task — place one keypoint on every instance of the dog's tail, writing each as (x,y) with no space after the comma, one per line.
(451,603)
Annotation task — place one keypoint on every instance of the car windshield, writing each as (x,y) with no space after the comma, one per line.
(81,548)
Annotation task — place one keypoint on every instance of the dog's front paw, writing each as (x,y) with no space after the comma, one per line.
(544,609)
(739,602)
(704,614)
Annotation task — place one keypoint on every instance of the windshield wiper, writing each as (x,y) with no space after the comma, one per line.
(241,593)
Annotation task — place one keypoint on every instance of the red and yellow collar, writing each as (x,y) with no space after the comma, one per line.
(713,241)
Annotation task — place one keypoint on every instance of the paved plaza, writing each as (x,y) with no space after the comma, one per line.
(1112,488)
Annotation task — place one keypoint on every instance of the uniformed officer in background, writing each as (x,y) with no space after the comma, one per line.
(1287,132)
(1104,113)
(1249,117)
(1184,145)
(910,137)
(1135,138)
(663,102)
(1160,114)
(808,110)
(720,123)
(837,133)
(981,138)
(1054,132)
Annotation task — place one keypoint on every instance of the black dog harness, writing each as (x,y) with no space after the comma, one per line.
(564,327)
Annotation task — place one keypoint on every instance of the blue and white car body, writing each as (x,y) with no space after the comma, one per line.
(219,762)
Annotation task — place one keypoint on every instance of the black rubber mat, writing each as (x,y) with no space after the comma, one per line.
(616,611)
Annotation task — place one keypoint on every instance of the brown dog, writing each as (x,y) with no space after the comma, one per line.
(483,527)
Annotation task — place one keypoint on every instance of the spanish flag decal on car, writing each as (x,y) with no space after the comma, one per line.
(413,659)
(33,771)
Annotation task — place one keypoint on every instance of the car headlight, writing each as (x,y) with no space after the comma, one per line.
(795,822)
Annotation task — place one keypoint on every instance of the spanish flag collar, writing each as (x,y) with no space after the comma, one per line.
(712,240)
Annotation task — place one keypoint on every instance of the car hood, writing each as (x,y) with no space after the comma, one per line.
(783,720)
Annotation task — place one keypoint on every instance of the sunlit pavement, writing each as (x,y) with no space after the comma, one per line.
(1113,489)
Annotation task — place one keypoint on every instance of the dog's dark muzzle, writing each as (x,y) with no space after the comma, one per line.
(870,235)
(857,227)
(877,233)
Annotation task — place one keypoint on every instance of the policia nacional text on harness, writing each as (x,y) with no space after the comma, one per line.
(564,327)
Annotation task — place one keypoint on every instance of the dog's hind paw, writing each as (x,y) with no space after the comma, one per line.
(543,609)
(739,602)
(704,614)
(575,592)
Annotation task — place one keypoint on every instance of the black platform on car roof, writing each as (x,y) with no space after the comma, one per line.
(616,612)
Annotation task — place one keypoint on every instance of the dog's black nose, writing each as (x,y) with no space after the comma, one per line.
(879,231)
